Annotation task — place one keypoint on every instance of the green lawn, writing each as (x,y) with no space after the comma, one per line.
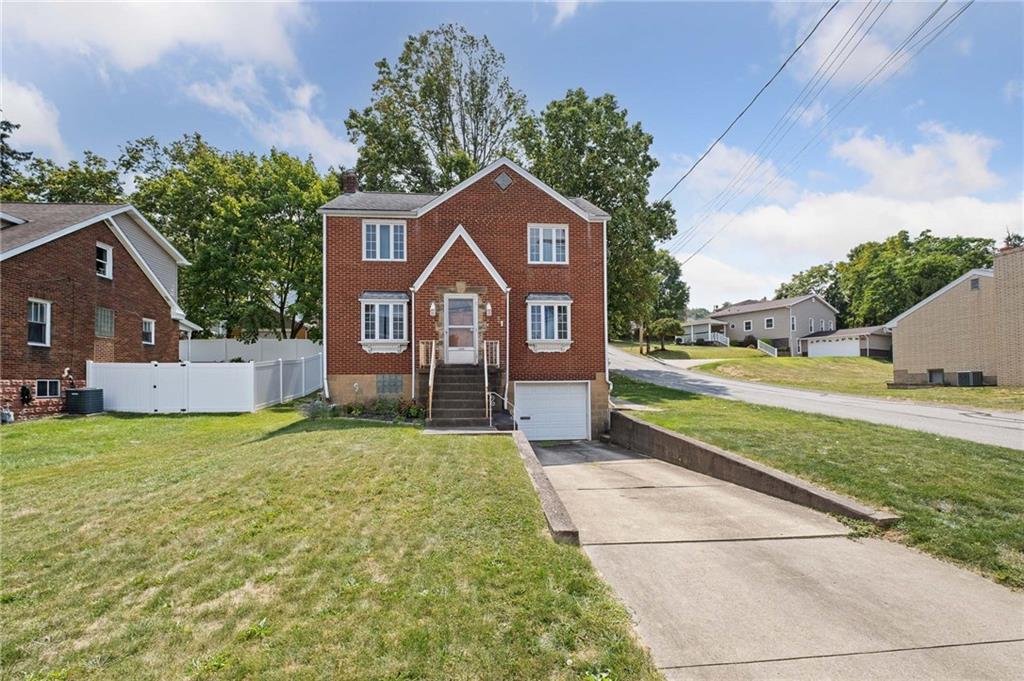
(267,546)
(959,500)
(859,376)
(673,351)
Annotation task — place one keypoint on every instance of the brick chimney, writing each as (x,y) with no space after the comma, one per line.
(349,182)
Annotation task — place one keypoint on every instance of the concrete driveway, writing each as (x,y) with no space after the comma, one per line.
(989,427)
(727,583)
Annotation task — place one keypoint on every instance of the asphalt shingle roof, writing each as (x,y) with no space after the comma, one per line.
(44,219)
(856,331)
(401,202)
(758,306)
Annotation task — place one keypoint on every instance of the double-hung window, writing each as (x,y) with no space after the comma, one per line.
(549,321)
(104,260)
(38,322)
(148,331)
(769,322)
(821,324)
(792,322)
(831,325)
(383,240)
(748,325)
(548,244)
(383,320)
(810,325)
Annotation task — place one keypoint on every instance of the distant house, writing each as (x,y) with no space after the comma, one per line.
(864,341)
(705,330)
(779,322)
(970,332)
(81,282)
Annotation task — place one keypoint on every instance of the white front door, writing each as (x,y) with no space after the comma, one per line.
(460,329)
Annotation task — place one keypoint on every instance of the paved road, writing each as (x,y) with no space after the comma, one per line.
(727,583)
(985,426)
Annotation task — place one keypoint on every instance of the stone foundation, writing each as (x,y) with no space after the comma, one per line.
(10,393)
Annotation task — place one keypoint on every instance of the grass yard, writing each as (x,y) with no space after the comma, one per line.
(268,546)
(673,351)
(858,376)
(959,500)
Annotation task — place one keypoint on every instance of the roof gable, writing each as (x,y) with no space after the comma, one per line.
(459,233)
(970,274)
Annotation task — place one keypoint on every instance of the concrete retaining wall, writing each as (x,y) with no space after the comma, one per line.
(680,450)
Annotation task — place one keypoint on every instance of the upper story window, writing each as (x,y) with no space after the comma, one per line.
(821,325)
(104,322)
(792,322)
(810,325)
(548,244)
(148,331)
(831,325)
(975,284)
(38,322)
(383,240)
(769,322)
(104,260)
(549,317)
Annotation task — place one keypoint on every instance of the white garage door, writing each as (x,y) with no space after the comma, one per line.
(837,348)
(553,411)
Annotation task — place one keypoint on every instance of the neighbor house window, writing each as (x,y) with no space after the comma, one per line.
(383,321)
(148,332)
(975,284)
(48,387)
(38,322)
(810,324)
(936,376)
(104,322)
(831,325)
(769,322)
(104,260)
(549,321)
(792,323)
(748,325)
(548,244)
(383,241)
(821,325)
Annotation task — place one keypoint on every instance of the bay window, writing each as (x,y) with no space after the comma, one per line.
(549,322)
(384,322)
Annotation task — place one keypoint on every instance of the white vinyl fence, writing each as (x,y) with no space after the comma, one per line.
(227,349)
(223,387)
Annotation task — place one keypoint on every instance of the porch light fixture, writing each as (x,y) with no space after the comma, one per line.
(433,309)
(487,309)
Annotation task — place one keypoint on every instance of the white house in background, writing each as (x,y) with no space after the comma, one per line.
(864,341)
(706,330)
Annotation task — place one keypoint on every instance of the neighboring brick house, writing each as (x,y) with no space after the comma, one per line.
(500,267)
(81,282)
(779,322)
(970,332)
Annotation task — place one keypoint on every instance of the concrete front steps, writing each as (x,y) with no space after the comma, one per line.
(459,397)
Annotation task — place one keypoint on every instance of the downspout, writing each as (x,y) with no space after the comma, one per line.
(508,369)
(323,296)
(607,374)
(412,343)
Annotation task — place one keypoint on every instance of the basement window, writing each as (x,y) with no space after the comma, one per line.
(47,388)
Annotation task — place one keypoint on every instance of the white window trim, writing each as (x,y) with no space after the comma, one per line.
(792,322)
(748,325)
(110,260)
(810,324)
(49,397)
(821,324)
(48,306)
(392,223)
(388,345)
(549,344)
(153,323)
(831,325)
(769,319)
(542,226)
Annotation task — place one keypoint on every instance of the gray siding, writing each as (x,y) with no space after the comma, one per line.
(159,260)
(809,309)
(734,324)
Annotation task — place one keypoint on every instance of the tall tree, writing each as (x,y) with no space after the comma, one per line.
(820,279)
(587,147)
(10,161)
(93,180)
(673,293)
(441,112)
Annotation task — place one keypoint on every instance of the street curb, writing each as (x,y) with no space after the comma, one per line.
(669,446)
(561,526)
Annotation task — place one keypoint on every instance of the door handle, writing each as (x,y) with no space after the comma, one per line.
(524,418)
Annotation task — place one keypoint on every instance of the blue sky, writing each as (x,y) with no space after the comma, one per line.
(938,145)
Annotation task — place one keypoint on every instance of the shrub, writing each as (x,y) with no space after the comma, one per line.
(319,409)
(750,341)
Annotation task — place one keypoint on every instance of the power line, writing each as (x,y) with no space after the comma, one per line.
(898,53)
(751,102)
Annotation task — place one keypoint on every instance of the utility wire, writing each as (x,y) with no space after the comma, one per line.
(751,102)
(898,53)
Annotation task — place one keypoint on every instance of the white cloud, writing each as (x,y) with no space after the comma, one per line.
(243,96)
(719,168)
(898,21)
(136,35)
(565,10)
(948,164)
(822,227)
(24,104)
(713,282)
(1014,89)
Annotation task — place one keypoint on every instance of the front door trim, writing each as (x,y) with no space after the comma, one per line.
(462,355)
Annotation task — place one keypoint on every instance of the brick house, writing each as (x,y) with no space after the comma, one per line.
(970,332)
(500,272)
(81,282)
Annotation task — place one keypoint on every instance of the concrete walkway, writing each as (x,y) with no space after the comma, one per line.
(1003,429)
(726,583)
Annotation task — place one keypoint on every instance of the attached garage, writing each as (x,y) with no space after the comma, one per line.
(839,347)
(556,410)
